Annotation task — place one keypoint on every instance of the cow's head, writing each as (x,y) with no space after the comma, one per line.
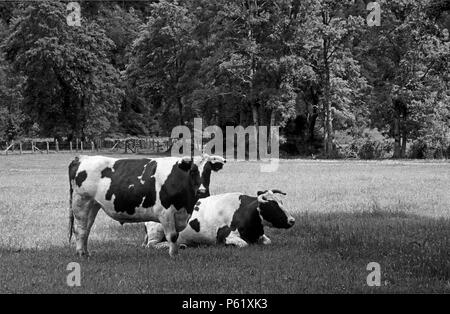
(272,210)
(206,165)
(195,180)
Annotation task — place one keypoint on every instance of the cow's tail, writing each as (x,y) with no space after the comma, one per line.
(73,167)
(71,219)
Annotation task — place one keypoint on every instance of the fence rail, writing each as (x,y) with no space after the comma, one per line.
(125,145)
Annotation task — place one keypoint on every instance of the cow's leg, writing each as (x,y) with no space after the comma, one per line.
(235,239)
(84,211)
(167,219)
(155,233)
(145,243)
(264,240)
(146,236)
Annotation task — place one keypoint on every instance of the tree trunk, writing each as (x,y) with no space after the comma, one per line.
(82,125)
(271,124)
(328,131)
(404,130)
(328,121)
(312,124)
(252,70)
(180,110)
(242,117)
(255,115)
(220,119)
(397,148)
(404,138)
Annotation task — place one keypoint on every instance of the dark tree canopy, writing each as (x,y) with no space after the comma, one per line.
(336,86)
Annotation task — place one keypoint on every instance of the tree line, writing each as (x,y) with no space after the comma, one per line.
(336,86)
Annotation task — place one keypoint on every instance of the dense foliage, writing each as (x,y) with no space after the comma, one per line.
(336,86)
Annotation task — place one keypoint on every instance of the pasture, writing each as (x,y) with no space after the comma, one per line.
(348,213)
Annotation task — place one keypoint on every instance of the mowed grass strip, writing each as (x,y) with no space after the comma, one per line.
(348,214)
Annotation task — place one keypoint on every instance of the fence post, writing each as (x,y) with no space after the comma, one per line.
(32,147)
(70,144)
(92,146)
(81,146)
(57,146)
(20,147)
(76,145)
(48,146)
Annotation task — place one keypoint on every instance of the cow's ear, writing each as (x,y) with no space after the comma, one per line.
(185,163)
(261,192)
(216,166)
(216,161)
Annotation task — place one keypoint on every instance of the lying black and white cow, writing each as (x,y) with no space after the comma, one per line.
(231,219)
(163,190)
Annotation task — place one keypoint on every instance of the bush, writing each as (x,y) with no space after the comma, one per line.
(433,139)
(428,147)
(363,143)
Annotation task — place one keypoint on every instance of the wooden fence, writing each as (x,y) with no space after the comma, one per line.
(118,145)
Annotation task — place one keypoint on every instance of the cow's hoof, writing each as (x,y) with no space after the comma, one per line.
(83,254)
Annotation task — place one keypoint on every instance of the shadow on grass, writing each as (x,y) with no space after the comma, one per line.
(409,245)
(323,253)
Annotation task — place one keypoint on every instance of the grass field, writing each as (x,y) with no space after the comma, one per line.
(348,214)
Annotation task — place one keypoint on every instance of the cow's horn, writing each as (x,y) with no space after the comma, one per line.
(217,158)
(261,199)
(205,156)
(186,158)
(279,192)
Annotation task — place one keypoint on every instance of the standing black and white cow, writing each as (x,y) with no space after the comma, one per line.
(135,190)
(214,163)
(231,219)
